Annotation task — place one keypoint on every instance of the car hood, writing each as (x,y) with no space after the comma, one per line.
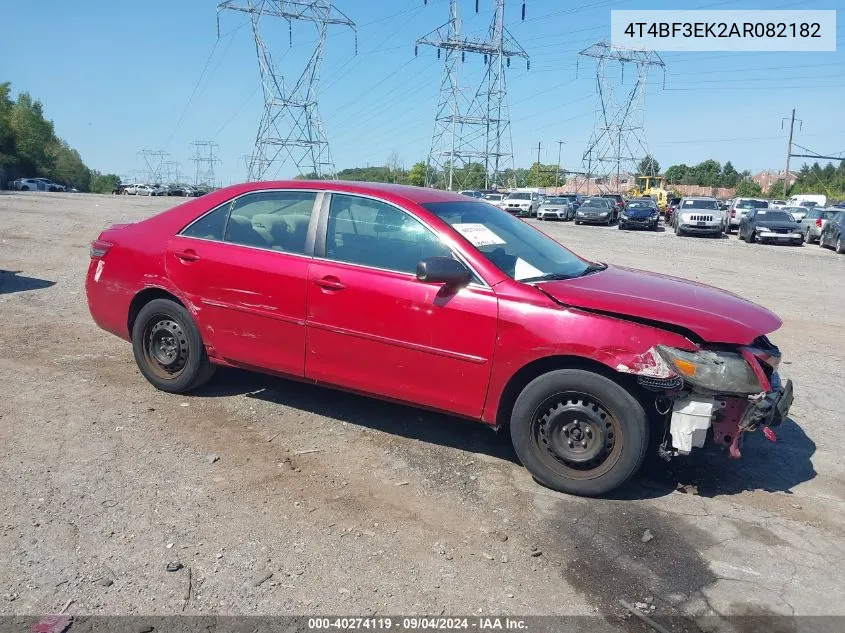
(715,315)
(593,210)
(777,224)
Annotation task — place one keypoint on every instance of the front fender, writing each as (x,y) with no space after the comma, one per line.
(619,344)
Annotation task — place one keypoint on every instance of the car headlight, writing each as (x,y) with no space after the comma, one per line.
(624,216)
(722,372)
(603,213)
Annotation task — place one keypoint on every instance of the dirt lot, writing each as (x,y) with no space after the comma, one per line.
(105,480)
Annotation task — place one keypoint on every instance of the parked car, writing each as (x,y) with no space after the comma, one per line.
(37,184)
(618,203)
(175,190)
(575,198)
(770,225)
(522,203)
(472,193)
(496,199)
(814,222)
(443,302)
(595,210)
(833,233)
(556,208)
(640,213)
(145,190)
(698,215)
(797,213)
(820,200)
(840,204)
(739,207)
(130,190)
(777,204)
(670,209)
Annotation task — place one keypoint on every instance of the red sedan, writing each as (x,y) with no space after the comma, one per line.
(445,302)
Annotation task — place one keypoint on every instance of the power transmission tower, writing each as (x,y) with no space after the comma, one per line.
(204,159)
(472,127)
(290,128)
(153,161)
(171,171)
(618,140)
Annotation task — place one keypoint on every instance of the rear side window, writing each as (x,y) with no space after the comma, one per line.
(277,220)
(373,233)
(211,225)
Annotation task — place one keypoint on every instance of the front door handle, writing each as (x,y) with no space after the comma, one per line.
(188,255)
(330,283)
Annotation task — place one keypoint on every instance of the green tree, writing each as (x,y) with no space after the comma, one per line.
(103,183)
(648,166)
(706,173)
(730,176)
(416,175)
(676,174)
(540,175)
(748,189)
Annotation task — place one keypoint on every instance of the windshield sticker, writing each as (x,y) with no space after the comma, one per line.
(524,270)
(478,234)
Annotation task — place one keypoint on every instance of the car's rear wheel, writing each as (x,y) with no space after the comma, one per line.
(169,349)
(579,432)
(840,247)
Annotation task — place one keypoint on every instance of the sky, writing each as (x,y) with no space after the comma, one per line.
(120,77)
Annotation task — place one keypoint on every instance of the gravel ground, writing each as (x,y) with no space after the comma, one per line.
(106,481)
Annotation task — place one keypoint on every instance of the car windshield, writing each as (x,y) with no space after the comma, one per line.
(640,204)
(773,216)
(711,205)
(518,250)
(556,201)
(752,204)
(493,196)
(520,196)
(795,210)
(599,203)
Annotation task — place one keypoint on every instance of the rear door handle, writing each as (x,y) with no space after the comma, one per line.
(188,255)
(330,283)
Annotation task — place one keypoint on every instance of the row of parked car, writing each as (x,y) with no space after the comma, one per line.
(754,220)
(188,191)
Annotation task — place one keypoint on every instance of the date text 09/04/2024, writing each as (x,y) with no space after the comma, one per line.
(416,623)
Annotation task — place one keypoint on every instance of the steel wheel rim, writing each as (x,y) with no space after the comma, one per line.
(576,436)
(165,346)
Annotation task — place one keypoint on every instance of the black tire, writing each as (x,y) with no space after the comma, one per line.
(24,188)
(180,363)
(620,226)
(750,237)
(678,230)
(840,245)
(611,426)
(577,222)
(807,238)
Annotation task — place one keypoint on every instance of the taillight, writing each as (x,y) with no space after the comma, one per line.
(99,248)
(819,222)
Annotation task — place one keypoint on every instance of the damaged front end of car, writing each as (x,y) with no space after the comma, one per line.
(729,390)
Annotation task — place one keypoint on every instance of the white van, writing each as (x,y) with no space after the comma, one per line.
(797,200)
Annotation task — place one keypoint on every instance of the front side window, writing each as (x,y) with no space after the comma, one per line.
(373,233)
(211,225)
(518,250)
(277,220)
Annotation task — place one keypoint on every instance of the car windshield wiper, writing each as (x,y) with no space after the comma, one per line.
(548,277)
(593,267)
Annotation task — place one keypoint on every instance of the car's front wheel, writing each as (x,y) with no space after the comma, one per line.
(840,245)
(168,347)
(579,432)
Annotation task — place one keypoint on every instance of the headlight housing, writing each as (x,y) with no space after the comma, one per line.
(722,372)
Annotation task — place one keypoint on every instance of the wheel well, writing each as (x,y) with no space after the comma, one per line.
(541,366)
(143,298)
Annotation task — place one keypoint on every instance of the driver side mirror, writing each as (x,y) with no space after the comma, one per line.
(444,270)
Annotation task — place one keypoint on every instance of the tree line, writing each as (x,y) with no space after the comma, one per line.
(29,147)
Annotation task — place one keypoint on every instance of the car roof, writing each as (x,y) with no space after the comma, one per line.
(700,198)
(411,194)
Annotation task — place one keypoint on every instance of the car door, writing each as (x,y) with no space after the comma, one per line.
(243,266)
(373,327)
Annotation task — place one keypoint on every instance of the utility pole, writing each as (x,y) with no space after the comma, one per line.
(539,146)
(788,150)
(557,175)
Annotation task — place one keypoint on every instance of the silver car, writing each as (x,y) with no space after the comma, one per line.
(813,223)
(555,208)
(738,208)
(700,215)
